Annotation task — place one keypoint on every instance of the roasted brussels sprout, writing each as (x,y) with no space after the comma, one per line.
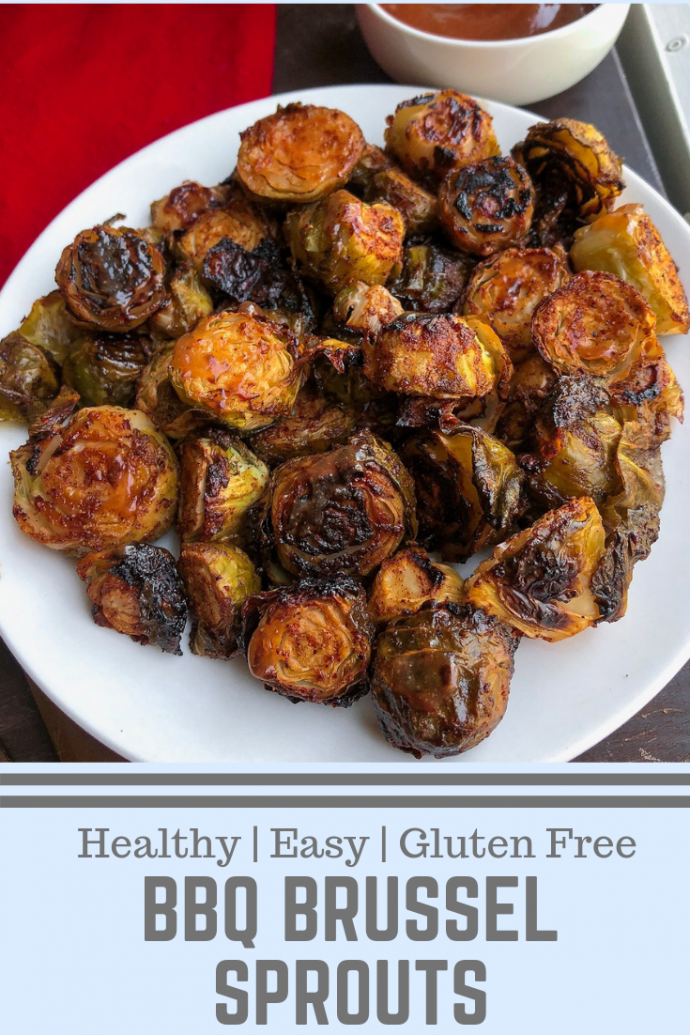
(627,243)
(315,425)
(407,581)
(648,391)
(438,132)
(239,221)
(188,302)
(371,161)
(234,368)
(342,239)
(365,308)
(468,487)
(29,378)
(240,275)
(486,206)
(299,154)
(342,512)
(531,383)
(185,204)
(310,641)
(218,578)
(432,279)
(111,278)
(596,324)
(136,590)
(49,325)
(104,479)
(156,397)
(440,679)
(220,479)
(416,205)
(573,158)
(540,580)
(506,289)
(105,368)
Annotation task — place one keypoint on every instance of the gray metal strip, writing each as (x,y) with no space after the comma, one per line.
(374,801)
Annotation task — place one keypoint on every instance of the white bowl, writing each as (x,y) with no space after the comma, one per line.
(514,71)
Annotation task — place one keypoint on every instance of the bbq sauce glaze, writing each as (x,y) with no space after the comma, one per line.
(487,21)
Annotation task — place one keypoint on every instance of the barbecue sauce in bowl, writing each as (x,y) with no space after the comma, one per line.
(487,21)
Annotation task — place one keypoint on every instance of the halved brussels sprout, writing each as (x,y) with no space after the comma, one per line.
(239,220)
(468,487)
(440,679)
(506,289)
(540,580)
(29,378)
(648,391)
(365,308)
(574,443)
(627,243)
(407,581)
(105,368)
(437,132)
(432,279)
(342,512)
(49,325)
(136,590)
(531,383)
(111,278)
(486,206)
(240,275)
(570,156)
(218,578)
(342,239)
(234,368)
(105,478)
(299,154)
(371,161)
(220,479)
(416,205)
(179,209)
(156,397)
(596,324)
(188,302)
(315,425)
(310,641)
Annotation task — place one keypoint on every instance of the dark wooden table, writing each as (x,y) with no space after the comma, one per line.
(320,45)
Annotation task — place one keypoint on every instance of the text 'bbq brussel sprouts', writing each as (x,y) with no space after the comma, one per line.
(184,205)
(407,581)
(300,154)
(486,206)
(342,512)
(234,368)
(310,641)
(314,426)
(188,302)
(156,397)
(440,679)
(506,289)
(136,590)
(220,479)
(627,243)
(540,580)
(218,578)
(105,368)
(596,324)
(530,385)
(648,391)
(437,132)
(111,278)
(468,487)
(416,205)
(342,239)
(29,378)
(105,478)
(49,325)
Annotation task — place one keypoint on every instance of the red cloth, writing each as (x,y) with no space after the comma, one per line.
(84,86)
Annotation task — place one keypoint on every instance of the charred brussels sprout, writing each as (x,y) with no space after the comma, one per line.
(103,479)
(540,580)
(220,479)
(530,385)
(440,680)
(627,243)
(433,279)
(596,324)
(105,369)
(184,205)
(416,205)
(299,154)
(407,581)
(188,302)
(156,397)
(218,578)
(438,132)
(342,512)
(468,487)
(342,239)
(239,221)
(506,289)
(648,391)
(311,641)
(111,278)
(487,206)
(29,378)
(234,368)
(314,426)
(49,325)
(136,590)
(365,308)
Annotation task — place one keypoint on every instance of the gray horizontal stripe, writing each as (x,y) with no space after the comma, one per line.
(374,801)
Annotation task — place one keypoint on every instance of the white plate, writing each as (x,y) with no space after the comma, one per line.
(153,707)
